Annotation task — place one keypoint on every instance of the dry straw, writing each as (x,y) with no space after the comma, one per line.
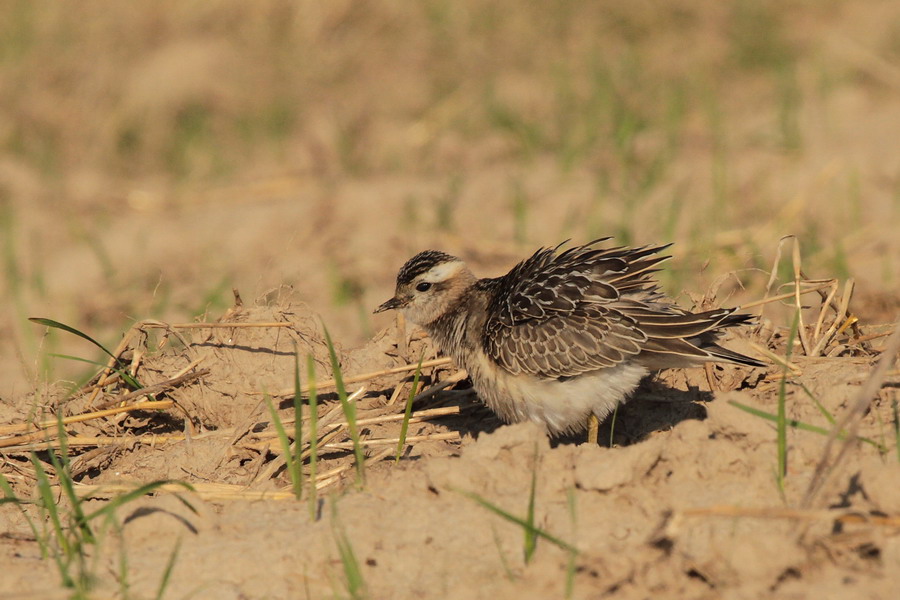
(851,420)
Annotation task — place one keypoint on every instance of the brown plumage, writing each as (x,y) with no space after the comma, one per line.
(564,334)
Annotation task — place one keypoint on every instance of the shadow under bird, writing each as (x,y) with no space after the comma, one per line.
(564,337)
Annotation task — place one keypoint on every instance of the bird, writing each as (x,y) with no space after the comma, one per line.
(566,335)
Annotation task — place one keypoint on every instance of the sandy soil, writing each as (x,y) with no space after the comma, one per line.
(447,128)
(681,499)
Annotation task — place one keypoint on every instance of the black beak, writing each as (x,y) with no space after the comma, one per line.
(391,304)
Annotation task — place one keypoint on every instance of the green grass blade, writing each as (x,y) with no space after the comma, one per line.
(313,434)
(612,424)
(126,376)
(9,496)
(78,359)
(285,444)
(56,324)
(167,572)
(503,562)
(781,421)
(794,423)
(63,474)
(828,416)
(296,462)
(404,427)
(353,579)
(518,521)
(123,577)
(530,544)
(353,575)
(123,373)
(349,409)
(48,504)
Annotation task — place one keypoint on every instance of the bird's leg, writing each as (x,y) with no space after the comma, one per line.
(593,429)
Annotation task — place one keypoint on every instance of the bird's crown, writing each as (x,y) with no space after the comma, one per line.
(422,263)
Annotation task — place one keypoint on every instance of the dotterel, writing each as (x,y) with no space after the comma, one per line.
(562,336)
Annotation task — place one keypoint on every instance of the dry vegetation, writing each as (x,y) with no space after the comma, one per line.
(154,157)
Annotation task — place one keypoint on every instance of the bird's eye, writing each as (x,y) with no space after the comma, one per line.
(423,286)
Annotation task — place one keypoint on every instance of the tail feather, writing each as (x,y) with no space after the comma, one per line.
(726,355)
(683,339)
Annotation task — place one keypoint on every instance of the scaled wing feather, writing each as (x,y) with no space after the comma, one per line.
(557,315)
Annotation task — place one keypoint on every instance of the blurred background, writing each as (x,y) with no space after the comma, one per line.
(153,156)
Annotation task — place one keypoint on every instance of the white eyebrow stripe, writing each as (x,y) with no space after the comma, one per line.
(443,271)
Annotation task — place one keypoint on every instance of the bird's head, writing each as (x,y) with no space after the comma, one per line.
(428,285)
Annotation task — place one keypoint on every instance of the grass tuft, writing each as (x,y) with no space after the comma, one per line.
(71,533)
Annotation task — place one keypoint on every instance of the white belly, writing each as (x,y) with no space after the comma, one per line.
(558,406)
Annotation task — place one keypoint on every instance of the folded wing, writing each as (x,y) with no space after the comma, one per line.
(562,314)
